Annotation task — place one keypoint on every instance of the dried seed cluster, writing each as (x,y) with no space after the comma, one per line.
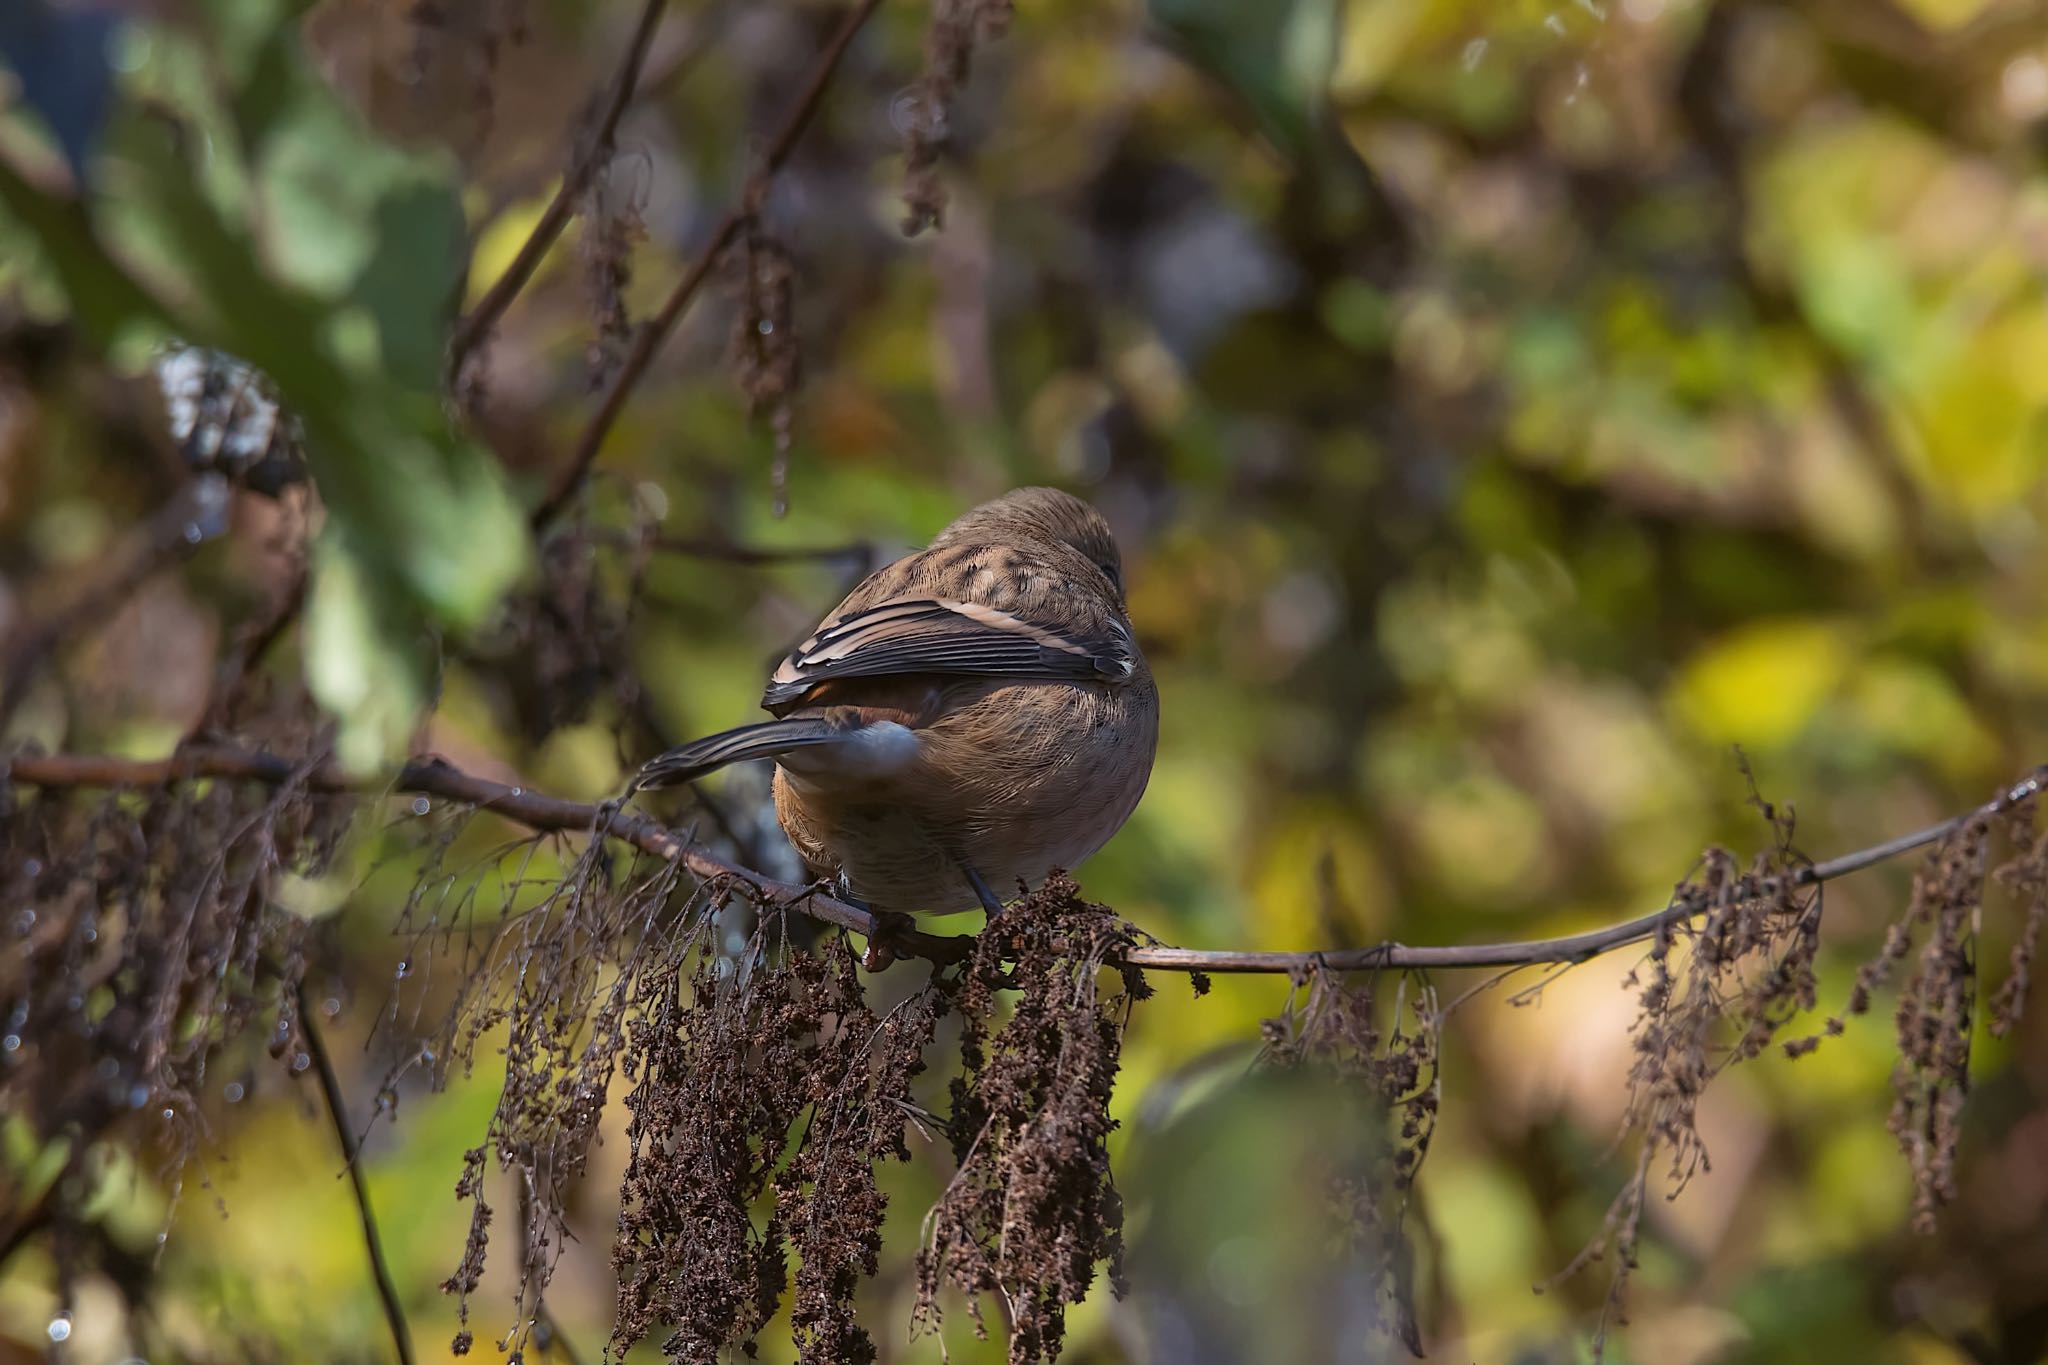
(613,226)
(147,941)
(564,645)
(1033,1206)
(1720,982)
(1333,1025)
(563,978)
(764,1093)
(958,28)
(764,352)
(142,942)
(1724,978)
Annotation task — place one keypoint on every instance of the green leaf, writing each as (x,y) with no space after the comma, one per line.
(1763,683)
(411,281)
(357,663)
(1276,57)
(421,531)
(103,297)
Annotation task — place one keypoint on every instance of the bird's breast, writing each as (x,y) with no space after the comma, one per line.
(1012,779)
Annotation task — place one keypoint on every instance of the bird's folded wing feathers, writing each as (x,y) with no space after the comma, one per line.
(935,635)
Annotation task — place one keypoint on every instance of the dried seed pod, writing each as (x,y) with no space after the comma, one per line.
(925,113)
(766,357)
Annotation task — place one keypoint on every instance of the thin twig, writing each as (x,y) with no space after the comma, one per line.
(721,818)
(648,341)
(471,331)
(337,1114)
(432,777)
(548,1335)
(252,643)
(651,334)
(172,532)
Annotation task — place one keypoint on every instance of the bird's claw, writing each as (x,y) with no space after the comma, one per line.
(886,940)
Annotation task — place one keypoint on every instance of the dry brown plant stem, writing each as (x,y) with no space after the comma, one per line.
(432,777)
(337,1114)
(651,334)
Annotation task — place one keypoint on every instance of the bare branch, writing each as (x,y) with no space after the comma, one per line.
(432,777)
(471,331)
(337,1114)
(654,332)
(474,327)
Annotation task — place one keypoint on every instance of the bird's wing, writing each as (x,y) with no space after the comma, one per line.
(937,635)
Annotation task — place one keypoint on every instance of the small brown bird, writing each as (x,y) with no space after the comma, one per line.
(970,717)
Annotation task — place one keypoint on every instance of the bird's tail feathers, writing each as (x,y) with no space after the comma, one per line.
(688,762)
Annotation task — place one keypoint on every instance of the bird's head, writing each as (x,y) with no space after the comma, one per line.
(1043,514)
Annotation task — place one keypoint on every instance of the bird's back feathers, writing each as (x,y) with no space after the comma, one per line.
(1034,596)
(932,635)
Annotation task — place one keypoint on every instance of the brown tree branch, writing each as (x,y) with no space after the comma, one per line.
(432,777)
(651,334)
(337,1114)
(471,331)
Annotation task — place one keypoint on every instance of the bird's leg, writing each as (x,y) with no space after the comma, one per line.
(889,924)
(890,927)
(982,893)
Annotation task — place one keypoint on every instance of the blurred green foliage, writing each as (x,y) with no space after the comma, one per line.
(262,217)
(1504,408)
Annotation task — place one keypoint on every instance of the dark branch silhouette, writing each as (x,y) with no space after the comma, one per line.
(432,777)
(471,331)
(337,1114)
(649,338)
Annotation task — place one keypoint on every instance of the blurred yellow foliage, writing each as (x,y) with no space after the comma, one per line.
(1763,684)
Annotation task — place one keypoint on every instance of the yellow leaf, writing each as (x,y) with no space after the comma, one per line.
(499,243)
(1944,16)
(1762,684)
(1316,865)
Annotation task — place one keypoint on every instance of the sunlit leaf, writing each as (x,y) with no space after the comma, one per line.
(1762,684)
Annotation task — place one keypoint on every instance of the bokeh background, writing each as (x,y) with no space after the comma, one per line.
(1506,408)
